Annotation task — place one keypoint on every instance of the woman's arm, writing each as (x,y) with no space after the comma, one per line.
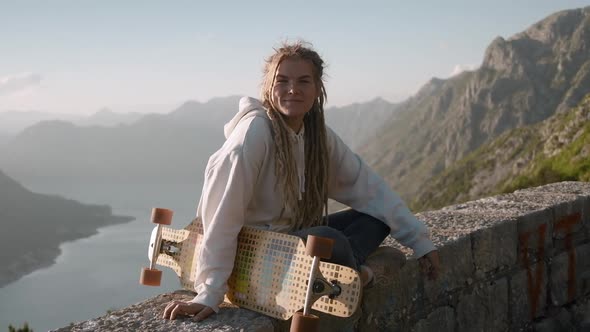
(353,183)
(229,183)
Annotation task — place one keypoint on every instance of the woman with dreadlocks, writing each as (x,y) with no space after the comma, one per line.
(277,169)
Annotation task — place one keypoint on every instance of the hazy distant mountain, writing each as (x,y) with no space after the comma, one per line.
(12,122)
(522,80)
(556,149)
(157,147)
(171,147)
(107,118)
(359,122)
(34,225)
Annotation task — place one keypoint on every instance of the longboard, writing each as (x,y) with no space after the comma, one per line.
(270,274)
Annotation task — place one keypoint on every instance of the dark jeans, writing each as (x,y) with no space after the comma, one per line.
(355,234)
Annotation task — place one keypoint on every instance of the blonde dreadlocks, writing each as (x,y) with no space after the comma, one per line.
(309,210)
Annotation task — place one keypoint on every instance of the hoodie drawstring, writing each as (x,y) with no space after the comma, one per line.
(300,160)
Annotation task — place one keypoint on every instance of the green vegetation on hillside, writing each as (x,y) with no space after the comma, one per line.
(571,164)
(557,149)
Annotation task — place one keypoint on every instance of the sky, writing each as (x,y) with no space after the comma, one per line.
(80,56)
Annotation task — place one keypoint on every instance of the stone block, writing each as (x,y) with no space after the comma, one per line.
(485,308)
(562,322)
(495,247)
(535,236)
(389,304)
(457,269)
(562,279)
(582,270)
(580,189)
(581,315)
(440,320)
(568,228)
(528,293)
(569,213)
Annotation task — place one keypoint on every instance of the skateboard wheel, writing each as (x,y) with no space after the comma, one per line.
(304,323)
(162,216)
(319,246)
(150,277)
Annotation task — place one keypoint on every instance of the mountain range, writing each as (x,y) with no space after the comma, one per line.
(13,122)
(171,147)
(553,150)
(522,80)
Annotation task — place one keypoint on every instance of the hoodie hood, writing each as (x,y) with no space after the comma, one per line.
(248,107)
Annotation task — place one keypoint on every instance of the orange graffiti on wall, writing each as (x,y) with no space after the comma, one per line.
(535,278)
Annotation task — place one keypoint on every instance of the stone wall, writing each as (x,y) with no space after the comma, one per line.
(518,261)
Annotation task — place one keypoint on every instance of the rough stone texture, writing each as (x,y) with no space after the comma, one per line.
(485,309)
(387,305)
(581,189)
(565,187)
(447,226)
(524,295)
(495,247)
(561,282)
(563,208)
(147,316)
(582,270)
(534,236)
(560,323)
(569,228)
(573,206)
(440,320)
(455,275)
(581,315)
(530,215)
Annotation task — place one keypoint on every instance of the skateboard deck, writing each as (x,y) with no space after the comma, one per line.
(270,272)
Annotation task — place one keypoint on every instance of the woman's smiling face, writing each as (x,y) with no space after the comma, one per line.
(294,90)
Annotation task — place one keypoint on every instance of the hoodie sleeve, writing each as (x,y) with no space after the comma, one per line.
(356,185)
(229,183)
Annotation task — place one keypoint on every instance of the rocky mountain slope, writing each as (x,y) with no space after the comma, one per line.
(522,80)
(556,149)
(357,123)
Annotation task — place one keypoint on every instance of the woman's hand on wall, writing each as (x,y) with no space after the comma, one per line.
(175,308)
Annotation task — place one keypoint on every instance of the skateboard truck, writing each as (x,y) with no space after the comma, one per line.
(323,287)
(318,248)
(151,276)
(169,248)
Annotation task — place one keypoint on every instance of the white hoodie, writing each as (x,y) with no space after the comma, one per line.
(239,189)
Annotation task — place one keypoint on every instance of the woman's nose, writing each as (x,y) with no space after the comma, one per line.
(292,88)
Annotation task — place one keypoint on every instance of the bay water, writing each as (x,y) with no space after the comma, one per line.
(101,272)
